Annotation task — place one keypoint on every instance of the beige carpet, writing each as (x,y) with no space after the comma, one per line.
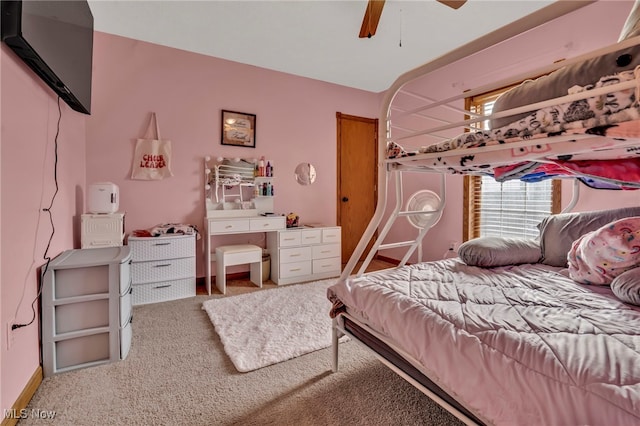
(178,374)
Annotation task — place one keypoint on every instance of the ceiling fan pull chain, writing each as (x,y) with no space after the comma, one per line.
(400,27)
(369,16)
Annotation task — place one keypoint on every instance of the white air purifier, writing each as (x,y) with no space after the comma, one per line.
(103,198)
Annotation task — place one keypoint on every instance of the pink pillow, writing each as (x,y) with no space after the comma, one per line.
(601,255)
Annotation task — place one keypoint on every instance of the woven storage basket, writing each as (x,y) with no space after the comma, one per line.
(163,291)
(154,248)
(163,270)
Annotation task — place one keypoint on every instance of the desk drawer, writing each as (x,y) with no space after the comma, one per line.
(327,265)
(311,236)
(326,250)
(267,223)
(289,238)
(295,254)
(331,235)
(229,226)
(296,269)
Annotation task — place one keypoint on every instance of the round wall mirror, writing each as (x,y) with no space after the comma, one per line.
(305,174)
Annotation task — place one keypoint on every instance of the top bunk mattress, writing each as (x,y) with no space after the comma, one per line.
(517,345)
(576,137)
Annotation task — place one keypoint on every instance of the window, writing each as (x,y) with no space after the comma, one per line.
(505,209)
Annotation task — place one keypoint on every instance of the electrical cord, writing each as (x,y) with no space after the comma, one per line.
(53,229)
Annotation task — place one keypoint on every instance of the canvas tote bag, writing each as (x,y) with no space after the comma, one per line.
(152,157)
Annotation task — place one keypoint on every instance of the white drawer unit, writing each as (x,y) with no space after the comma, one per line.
(102,230)
(163,268)
(304,254)
(86,309)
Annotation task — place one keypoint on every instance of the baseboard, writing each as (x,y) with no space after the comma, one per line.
(201,285)
(388,260)
(11,418)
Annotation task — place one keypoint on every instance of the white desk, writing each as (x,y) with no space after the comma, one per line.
(235,225)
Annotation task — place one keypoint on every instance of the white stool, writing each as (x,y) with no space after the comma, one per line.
(238,255)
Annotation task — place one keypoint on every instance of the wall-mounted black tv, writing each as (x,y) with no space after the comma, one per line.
(55,39)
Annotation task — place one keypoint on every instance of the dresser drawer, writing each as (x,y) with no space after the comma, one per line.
(163,270)
(296,269)
(331,235)
(163,291)
(267,223)
(289,238)
(327,265)
(156,248)
(295,254)
(228,226)
(326,250)
(310,236)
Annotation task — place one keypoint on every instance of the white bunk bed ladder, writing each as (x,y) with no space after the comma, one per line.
(397,213)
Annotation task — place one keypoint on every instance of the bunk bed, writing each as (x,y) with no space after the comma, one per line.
(510,332)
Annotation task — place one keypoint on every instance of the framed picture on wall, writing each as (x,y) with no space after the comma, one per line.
(239,129)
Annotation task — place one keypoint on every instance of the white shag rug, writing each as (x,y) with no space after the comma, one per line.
(270,326)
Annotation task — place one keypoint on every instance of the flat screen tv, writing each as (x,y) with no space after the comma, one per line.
(55,39)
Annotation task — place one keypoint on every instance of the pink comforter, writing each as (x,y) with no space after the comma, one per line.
(520,345)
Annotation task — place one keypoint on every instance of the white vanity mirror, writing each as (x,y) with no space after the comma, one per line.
(305,173)
(233,189)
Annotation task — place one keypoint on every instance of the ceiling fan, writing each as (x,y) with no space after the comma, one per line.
(374,10)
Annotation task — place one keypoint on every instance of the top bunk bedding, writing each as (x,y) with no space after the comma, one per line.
(573,138)
(582,119)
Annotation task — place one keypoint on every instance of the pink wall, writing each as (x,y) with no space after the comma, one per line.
(29,120)
(296,122)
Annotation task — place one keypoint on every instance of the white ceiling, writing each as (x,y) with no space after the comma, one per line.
(315,39)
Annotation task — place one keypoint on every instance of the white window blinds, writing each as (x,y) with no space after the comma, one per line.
(506,209)
(513,208)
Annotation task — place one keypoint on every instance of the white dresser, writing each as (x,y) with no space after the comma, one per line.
(86,309)
(163,268)
(304,254)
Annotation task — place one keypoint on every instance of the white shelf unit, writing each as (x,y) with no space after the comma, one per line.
(86,309)
(305,254)
(163,268)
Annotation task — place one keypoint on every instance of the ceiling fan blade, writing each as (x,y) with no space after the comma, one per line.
(371,18)
(455,4)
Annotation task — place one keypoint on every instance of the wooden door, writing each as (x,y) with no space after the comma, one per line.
(357,177)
